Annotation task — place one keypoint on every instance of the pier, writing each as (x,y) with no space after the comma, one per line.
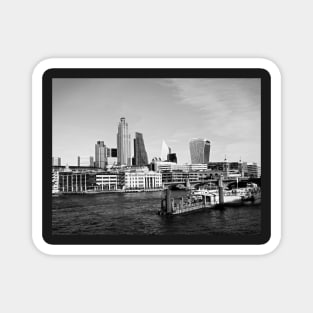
(202,199)
(183,205)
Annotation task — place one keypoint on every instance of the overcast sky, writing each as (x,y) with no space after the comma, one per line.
(225,111)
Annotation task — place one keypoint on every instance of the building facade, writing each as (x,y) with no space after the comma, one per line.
(179,176)
(123,144)
(100,155)
(253,170)
(200,151)
(171,157)
(85,161)
(161,166)
(141,179)
(55,181)
(140,154)
(112,152)
(77,181)
(228,169)
(56,161)
(111,157)
(107,181)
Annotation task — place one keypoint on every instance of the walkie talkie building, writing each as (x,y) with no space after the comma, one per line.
(200,151)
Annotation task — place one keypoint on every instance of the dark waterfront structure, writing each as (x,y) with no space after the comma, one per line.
(200,151)
(140,154)
(100,154)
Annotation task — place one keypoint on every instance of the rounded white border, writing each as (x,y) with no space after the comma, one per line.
(156,249)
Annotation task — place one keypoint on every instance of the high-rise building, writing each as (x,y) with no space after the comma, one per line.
(100,154)
(140,154)
(165,150)
(171,157)
(199,151)
(111,157)
(123,143)
(56,161)
(85,161)
(113,153)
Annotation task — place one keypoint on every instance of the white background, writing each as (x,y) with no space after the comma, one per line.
(35,30)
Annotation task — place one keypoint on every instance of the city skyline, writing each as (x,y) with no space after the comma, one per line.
(226,111)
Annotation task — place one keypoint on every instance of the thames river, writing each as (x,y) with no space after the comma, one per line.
(136,214)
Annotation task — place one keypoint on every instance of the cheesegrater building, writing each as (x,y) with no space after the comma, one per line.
(199,151)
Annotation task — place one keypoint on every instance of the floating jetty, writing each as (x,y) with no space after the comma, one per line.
(183,205)
(198,200)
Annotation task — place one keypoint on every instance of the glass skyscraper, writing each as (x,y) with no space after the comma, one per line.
(165,150)
(199,151)
(140,154)
(123,143)
(100,154)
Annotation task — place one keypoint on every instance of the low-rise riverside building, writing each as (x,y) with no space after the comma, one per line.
(161,166)
(198,167)
(180,176)
(253,170)
(108,181)
(55,181)
(77,181)
(141,179)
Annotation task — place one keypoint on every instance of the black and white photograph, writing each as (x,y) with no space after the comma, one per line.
(156,157)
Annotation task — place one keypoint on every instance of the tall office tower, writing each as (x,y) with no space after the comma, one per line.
(113,153)
(171,157)
(86,161)
(111,157)
(123,144)
(56,161)
(199,151)
(100,154)
(140,154)
(165,150)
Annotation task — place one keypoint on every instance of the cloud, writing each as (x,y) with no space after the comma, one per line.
(229,110)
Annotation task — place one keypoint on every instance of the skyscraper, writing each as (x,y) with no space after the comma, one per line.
(123,143)
(100,154)
(171,157)
(199,151)
(111,157)
(140,154)
(165,150)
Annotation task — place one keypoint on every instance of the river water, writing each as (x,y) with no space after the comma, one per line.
(135,214)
